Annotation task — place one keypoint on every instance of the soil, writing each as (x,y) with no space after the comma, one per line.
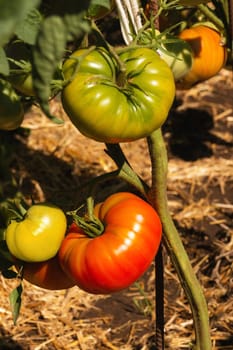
(53,162)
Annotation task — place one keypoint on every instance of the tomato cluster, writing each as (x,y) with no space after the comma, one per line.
(53,257)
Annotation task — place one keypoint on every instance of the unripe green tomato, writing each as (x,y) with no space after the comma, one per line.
(39,235)
(175,52)
(11,108)
(178,55)
(20,60)
(110,107)
(23,83)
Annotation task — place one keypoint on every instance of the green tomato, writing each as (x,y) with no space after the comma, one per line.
(39,235)
(178,54)
(11,108)
(110,107)
(23,83)
(20,57)
(175,52)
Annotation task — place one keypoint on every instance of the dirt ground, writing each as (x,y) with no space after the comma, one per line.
(52,162)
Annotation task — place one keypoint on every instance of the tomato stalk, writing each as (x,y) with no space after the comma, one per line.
(211,16)
(121,77)
(173,242)
(15,211)
(90,224)
(126,172)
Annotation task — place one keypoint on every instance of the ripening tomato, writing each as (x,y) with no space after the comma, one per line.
(11,108)
(111,107)
(46,274)
(209,55)
(37,237)
(116,258)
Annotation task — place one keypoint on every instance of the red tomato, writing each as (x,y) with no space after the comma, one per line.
(121,254)
(47,274)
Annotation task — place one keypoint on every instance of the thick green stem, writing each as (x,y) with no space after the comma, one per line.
(125,171)
(211,16)
(173,242)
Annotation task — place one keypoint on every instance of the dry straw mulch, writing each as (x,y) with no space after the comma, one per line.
(54,161)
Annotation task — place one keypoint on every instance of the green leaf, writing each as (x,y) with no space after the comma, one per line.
(103,3)
(15,301)
(54,33)
(27,30)
(12,12)
(48,52)
(4,65)
(76,25)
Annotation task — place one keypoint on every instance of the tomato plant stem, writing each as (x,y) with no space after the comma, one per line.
(90,224)
(211,16)
(121,78)
(173,242)
(125,170)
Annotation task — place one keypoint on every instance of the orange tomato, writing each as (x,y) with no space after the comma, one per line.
(209,54)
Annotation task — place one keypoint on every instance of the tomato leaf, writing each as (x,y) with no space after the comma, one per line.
(15,301)
(27,30)
(12,12)
(4,65)
(76,25)
(103,3)
(54,33)
(47,53)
